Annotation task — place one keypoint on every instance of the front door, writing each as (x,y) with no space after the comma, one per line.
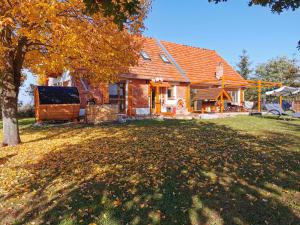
(156,100)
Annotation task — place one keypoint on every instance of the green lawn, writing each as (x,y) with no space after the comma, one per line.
(242,170)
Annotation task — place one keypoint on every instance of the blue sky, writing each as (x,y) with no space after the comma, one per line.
(227,28)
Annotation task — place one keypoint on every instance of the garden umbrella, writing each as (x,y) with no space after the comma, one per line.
(284,91)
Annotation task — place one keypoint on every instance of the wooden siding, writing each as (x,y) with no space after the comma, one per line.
(55,112)
(61,112)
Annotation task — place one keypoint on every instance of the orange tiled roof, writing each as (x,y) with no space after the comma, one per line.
(154,68)
(198,64)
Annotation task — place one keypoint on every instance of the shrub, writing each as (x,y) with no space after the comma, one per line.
(26,111)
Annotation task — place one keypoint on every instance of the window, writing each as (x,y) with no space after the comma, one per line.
(170,92)
(113,91)
(235,96)
(164,58)
(55,81)
(197,105)
(117,95)
(145,55)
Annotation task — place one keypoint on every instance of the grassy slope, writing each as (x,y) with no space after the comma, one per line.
(242,170)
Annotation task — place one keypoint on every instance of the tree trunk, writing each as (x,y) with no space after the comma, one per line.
(11,80)
(10,91)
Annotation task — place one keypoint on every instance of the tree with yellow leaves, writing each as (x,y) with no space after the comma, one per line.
(50,36)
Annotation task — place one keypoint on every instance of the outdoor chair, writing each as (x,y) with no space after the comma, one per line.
(296,115)
(249,106)
(275,109)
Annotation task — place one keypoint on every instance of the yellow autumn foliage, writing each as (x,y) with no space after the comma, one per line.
(57,35)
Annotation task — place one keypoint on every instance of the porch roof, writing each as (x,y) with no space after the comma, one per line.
(211,94)
(159,84)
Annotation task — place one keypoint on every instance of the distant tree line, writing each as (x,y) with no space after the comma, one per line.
(279,69)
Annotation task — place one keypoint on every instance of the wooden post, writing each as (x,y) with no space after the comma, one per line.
(280,97)
(222,97)
(157,100)
(242,95)
(150,97)
(188,98)
(241,104)
(259,95)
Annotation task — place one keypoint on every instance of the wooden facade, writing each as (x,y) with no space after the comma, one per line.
(49,108)
(62,112)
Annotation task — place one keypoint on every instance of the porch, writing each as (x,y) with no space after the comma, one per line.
(168,98)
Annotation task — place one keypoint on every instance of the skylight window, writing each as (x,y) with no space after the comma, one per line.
(164,58)
(145,55)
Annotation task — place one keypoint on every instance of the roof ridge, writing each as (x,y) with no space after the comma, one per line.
(186,45)
(190,46)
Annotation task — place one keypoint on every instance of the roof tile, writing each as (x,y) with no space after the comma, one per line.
(154,68)
(198,64)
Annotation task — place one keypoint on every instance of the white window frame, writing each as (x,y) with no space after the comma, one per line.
(174,91)
(235,95)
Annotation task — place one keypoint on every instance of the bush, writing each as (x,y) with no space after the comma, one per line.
(26,111)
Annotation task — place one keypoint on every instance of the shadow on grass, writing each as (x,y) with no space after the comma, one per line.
(52,132)
(3,160)
(292,126)
(283,118)
(172,172)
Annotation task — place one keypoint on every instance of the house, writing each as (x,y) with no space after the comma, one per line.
(165,80)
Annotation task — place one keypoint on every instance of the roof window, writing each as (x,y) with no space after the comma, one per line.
(145,55)
(164,58)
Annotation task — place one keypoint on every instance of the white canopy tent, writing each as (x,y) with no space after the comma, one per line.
(284,91)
